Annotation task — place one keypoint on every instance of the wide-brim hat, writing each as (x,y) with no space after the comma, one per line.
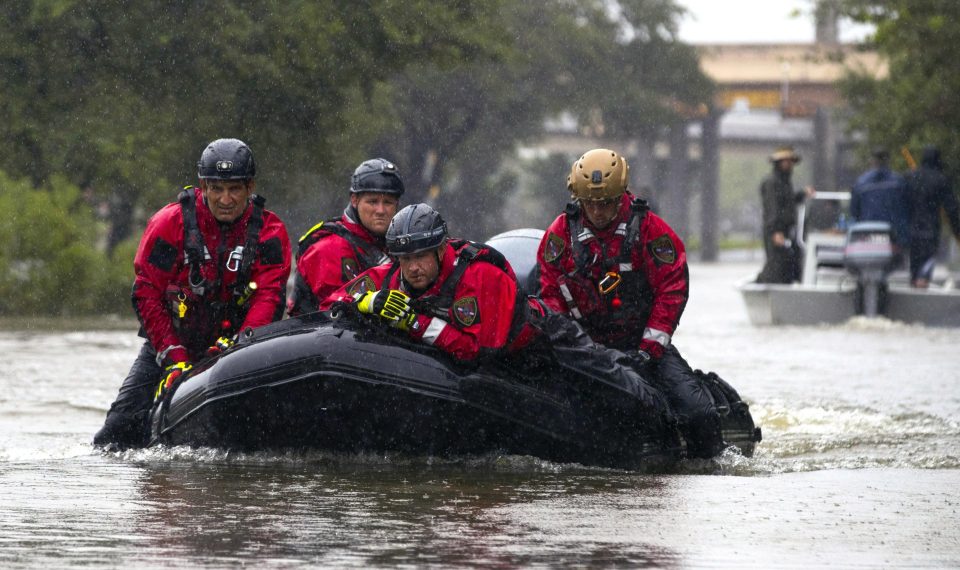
(785,153)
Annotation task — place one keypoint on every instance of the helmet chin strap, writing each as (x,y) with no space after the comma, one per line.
(352,213)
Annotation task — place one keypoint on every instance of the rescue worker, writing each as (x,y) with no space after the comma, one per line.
(779,201)
(459,296)
(209,265)
(335,251)
(621,272)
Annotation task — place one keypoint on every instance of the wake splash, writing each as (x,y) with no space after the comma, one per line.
(812,437)
(823,437)
(337,461)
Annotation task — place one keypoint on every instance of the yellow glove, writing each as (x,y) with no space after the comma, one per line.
(406,319)
(391,305)
(405,323)
(173,374)
(222,344)
(372,301)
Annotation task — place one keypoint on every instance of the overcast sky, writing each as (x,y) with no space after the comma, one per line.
(754,21)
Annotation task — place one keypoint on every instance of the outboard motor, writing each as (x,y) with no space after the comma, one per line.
(870,254)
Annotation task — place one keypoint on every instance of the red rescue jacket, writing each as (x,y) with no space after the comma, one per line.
(330,254)
(183,316)
(484,314)
(640,249)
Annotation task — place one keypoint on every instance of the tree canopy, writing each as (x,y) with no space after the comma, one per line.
(621,75)
(123,98)
(917,104)
(117,100)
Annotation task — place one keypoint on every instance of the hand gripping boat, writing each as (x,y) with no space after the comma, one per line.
(330,381)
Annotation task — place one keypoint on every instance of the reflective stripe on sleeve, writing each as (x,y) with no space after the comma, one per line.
(570,302)
(433,331)
(656,336)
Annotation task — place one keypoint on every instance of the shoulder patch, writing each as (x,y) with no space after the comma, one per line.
(554,248)
(362,286)
(663,251)
(349,269)
(271,252)
(466,311)
(163,255)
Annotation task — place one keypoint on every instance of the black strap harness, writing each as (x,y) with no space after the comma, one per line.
(304,300)
(632,293)
(367,255)
(195,250)
(582,257)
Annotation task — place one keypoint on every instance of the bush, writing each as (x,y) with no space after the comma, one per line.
(49,262)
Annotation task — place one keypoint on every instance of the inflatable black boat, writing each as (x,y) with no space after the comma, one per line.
(330,381)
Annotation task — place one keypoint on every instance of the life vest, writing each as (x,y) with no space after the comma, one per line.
(304,300)
(440,304)
(631,299)
(216,316)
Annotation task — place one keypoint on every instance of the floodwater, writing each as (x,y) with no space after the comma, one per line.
(859,468)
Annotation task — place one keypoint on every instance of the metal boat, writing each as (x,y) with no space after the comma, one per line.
(850,271)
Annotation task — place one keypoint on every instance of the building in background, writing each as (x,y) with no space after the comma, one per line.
(704,177)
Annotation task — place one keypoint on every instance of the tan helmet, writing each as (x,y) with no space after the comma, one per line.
(599,174)
(785,152)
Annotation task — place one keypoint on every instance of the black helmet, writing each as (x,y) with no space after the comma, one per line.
(227,159)
(881,154)
(377,175)
(418,227)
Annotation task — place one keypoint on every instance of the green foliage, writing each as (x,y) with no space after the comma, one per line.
(119,99)
(622,75)
(123,98)
(918,103)
(49,262)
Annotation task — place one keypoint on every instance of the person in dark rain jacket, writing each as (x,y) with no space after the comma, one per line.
(779,201)
(928,190)
(209,265)
(880,195)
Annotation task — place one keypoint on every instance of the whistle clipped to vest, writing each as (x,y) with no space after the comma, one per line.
(181,306)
